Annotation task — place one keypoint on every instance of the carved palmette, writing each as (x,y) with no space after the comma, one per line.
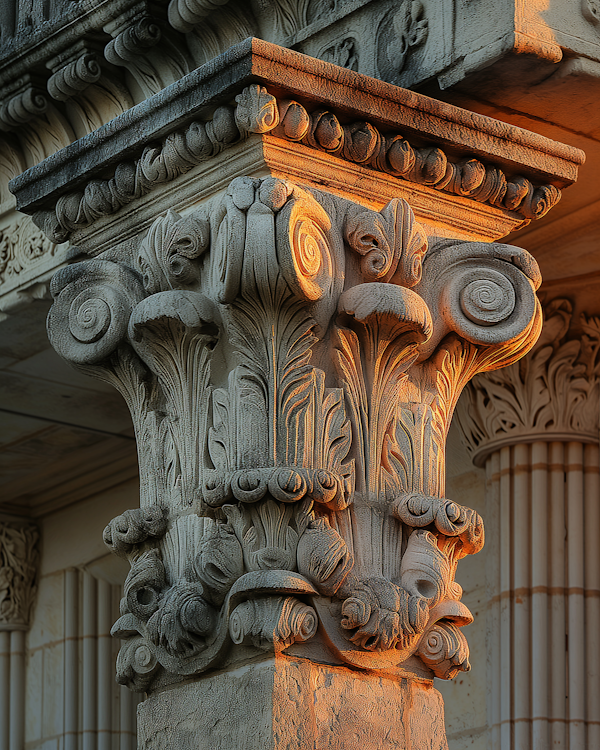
(292,361)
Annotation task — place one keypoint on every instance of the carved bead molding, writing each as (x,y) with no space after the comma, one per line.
(292,360)
(258,112)
(552,394)
(18,568)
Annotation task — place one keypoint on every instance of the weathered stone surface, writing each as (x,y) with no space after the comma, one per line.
(469,159)
(286,703)
(292,356)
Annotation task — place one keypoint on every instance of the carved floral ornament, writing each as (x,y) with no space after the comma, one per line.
(552,394)
(18,568)
(22,245)
(291,361)
(258,112)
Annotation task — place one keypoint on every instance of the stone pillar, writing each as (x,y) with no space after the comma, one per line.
(534,426)
(290,296)
(18,568)
(294,536)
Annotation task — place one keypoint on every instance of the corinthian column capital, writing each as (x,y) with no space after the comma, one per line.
(292,360)
(291,303)
(550,395)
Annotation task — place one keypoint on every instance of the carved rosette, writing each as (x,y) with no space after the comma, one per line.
(18,569)
(552,394)
(292,361)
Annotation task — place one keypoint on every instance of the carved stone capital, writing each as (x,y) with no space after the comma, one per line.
(292,360)
(18,569)
(552,394)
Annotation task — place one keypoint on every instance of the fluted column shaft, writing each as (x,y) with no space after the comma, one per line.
(546,683)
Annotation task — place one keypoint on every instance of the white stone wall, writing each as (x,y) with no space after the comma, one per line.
(70,654)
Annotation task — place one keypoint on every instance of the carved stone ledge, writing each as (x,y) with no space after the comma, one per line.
(257,111)
(18,570)
(395,141)
(552,395)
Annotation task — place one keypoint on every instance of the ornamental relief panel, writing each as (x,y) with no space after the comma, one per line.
(26,254)
(292,361)
(18,569)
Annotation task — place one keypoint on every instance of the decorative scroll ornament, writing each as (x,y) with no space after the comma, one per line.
(292,361)
(552,394)
(405,30)
(18,569)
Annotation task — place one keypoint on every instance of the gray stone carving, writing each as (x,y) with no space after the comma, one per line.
(553,394)
(292,360)
(18,570)
(258,112)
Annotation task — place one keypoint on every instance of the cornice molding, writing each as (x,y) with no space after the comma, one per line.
(257,111)
(315,85)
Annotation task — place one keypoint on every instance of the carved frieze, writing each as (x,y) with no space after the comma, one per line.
(18,569)
(552,394)
(256,111)
(292,361)
(401,32)
(22,245)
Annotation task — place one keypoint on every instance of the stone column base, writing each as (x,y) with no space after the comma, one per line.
(292,704)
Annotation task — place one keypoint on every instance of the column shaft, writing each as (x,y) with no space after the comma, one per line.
(17,690)
(556,570)
(4,689)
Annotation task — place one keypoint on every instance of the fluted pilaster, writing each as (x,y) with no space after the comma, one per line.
(534,426)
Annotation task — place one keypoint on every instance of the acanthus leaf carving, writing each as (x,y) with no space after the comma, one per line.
(552,394)
(292,362)
(18,570)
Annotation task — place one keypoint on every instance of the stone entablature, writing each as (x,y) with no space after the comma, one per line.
(291,353)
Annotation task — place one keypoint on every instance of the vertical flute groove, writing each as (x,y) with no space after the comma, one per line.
(505,598)
(71,709)
(105,678)
(4,689)
(575,606)
(592,593)
(89,687)
(556,568)
(539,597)
(17,690)
(494,585)
(522,605)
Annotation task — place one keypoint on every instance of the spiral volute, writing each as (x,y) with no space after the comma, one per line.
(93,302)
